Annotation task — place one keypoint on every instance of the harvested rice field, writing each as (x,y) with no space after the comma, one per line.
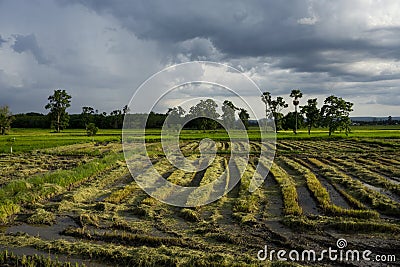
(79,205)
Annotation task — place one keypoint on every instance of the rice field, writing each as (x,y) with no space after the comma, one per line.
(78,205)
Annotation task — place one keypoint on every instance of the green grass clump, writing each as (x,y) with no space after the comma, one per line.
(289,192)
(41,187)
(247,204)
(42,216)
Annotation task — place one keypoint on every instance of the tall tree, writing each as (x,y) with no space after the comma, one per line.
(58,104)
(273,108)
(5,119)
(86,115)
(267,99)
(296,94)
(312,114)
(206,114)
(244,117)
(116,118)
(175,116)
(228,115)
(335,114)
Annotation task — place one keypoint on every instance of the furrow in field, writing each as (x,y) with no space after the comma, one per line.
(288,189)
(322,196)
(161,167)
(335,196)
(392,173)
(358,189)
(390,161)
(305,199)
(371,179)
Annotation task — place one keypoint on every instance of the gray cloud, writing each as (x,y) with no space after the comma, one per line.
(102,50)
(298,34)
(28,43)
(2,41)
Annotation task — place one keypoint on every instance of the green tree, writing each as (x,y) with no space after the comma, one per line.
(312,114)
(206,114)
(228,115)
(335,114)
(292,121)
(390,120)
(5,119)
(296,94)
(116,119)
(87,115)
(58,104)
(267,99)
(244,117)
(273,108)
(176,112)
(91,129)
(175,116)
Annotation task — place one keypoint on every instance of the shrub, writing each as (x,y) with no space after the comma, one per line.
(91,129)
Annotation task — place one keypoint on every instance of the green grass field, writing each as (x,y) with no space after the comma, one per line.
(24,140)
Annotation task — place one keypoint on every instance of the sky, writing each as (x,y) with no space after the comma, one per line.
(102,51)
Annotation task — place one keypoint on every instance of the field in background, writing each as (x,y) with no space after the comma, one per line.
(70,198)
(25,140)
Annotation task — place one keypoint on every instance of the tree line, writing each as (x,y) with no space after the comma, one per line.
(334,114)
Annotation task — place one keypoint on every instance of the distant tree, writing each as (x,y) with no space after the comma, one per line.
(154,120)
(176,112)
(390,120)
(244,117)
(58,103)
(5,119)
(274,108)
(91,129)
(87,115)
(126,109)
(289,121)
(175,116)
(312,114)
(30,120)
(267,99)
(206,114)
(116,119)
(228,115)
(335,114)
(296,94)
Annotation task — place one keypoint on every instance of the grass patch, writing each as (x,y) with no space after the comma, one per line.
(42,216)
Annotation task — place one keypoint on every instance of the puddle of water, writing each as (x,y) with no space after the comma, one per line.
(45,232)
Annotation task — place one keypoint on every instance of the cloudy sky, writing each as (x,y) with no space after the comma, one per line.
(101,51)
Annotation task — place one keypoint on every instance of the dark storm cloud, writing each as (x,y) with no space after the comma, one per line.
(291,31)
(28,43)
(101,51)
(249,28)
